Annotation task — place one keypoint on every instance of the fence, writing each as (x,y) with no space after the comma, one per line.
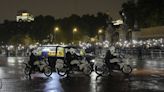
(10,53)
(151,53)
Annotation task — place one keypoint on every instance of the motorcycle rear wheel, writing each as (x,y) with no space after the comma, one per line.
(61,72)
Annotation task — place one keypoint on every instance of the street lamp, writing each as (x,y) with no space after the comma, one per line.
(56,29)
(74,31)
(100,31)
(92,39)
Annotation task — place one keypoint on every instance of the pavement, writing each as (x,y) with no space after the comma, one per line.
(147,76)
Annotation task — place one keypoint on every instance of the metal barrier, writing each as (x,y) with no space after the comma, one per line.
(10,53)
(153,53)
(157,53)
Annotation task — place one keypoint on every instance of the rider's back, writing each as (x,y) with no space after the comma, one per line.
(32,59)
(109,56)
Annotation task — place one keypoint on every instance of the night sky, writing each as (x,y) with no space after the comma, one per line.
(59,8)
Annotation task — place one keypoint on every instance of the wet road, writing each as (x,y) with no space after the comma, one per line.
(148,76)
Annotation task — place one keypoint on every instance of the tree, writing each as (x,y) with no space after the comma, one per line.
(42,28)
(129,13)
(21,39)
(147,13)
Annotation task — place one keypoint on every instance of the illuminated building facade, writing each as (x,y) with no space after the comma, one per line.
(24,16)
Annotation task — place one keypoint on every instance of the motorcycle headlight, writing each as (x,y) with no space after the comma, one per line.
(92,60)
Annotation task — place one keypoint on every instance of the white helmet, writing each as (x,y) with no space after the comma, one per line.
(112,49)
(34,52)
(71,50)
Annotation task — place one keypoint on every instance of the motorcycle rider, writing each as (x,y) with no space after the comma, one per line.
(68,57)
(42,62)
(31,62)
(33,58)
(73,57)
(110,54)
(36,61)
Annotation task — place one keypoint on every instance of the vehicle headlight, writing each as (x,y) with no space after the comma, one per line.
(93,60)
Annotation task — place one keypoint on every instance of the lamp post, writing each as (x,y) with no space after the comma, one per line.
(74,31)
(56,29)
(100,31)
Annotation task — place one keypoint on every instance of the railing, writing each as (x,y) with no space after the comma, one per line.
(10,53)
(151,53)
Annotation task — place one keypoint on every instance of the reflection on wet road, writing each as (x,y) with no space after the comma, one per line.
(148,76)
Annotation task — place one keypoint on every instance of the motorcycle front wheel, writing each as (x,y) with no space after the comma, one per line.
(88,70)
(47,71)
(27,70)
(102,71)
(127,69)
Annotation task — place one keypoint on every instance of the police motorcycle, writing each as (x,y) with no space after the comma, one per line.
(73,62)
(106,65)
(40,64)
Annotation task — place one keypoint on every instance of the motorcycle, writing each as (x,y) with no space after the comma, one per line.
(104,69)
(74,66)
(39,66)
